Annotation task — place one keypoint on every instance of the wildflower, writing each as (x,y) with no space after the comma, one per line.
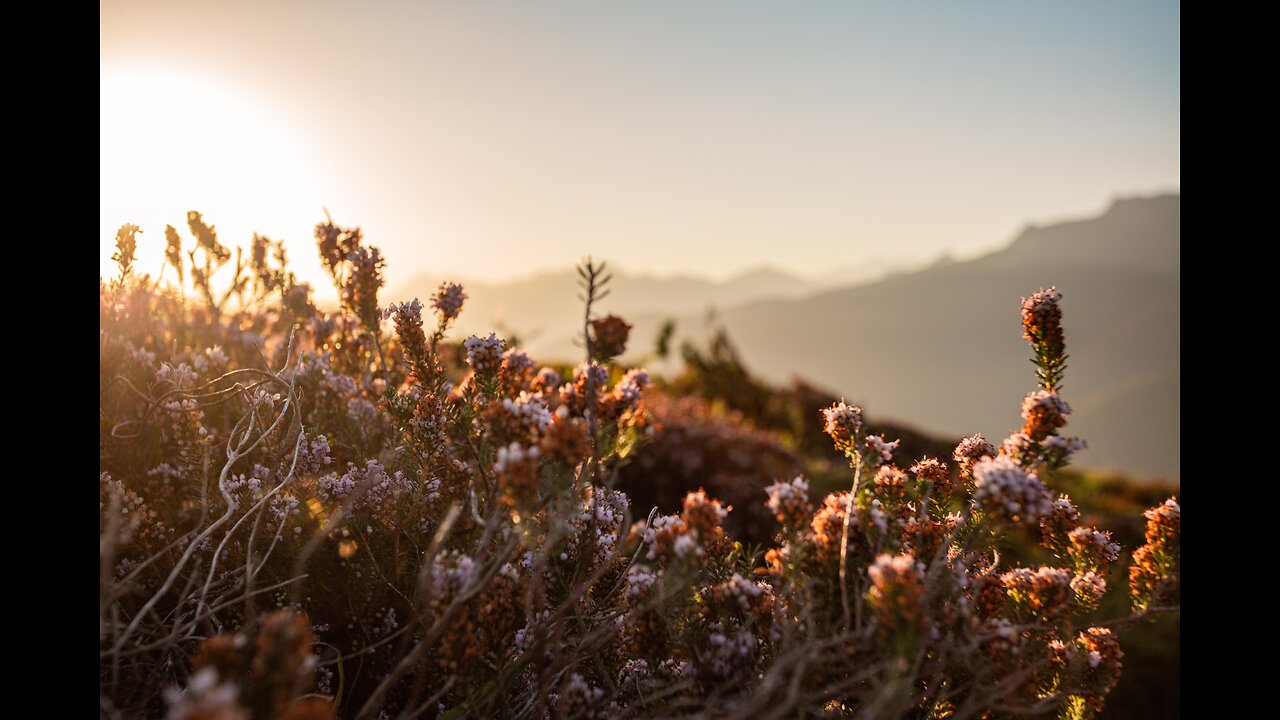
(897,588)
(211,360)
(484,355)
(639,580)
(1042,320)
(1089,589)
(224,654)
(362,411)
(360,292)
(1007,492)
(1055,527)
(546,381)
(517,370)
(935,473)
(627,392)
(605,512)
(1103,651)
(1044,593)
(645,630)
(173,250)
(450,572)
(526,415)
(1164,524)
(703,513)
(790,502)
(1092,549)
(970,451)
(1154,573)
(828,526)
(282,656)
(731,653)
(341,384)
(526,636)
(408,319)
(182,377)
(296,301)
(143,357)
(1020,447)
(126,246)
(633,672)
(890,484)
(609,337)
(313,456)
(741,598)
(448,301)
(671,536)
(878,450)
(924,535)
(335,244)
(1044,411)
(988,596)
(843,422)
(566,438)
(517,470)
(1066,446)
(589,378)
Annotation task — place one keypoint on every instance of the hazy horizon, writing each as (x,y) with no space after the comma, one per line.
(497,140)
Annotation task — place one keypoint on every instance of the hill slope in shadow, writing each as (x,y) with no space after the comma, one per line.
(942,348)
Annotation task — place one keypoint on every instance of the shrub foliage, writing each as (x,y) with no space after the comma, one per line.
(349,514)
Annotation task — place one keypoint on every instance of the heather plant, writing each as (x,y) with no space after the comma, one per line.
(309,514)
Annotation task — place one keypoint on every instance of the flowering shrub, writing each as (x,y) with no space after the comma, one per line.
(691,448)
(319,515)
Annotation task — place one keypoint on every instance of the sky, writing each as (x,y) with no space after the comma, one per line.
(496,139)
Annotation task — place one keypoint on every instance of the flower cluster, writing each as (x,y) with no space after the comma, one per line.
(484,355)
(360,293)
(934,474)
(970,450)
(1042,594)
(897,588)
(448,300)
(843,423)
(1153,575)
(877,450)
(1089,589)
(1007,492)
(1092,549)
(789,502)
(1056,526)
(609,336)
(741,598)
(1102,656)
(1044,412)
(408,321)
(517,469)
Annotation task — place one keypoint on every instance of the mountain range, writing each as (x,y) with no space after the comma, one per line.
(939,347)
(546,304)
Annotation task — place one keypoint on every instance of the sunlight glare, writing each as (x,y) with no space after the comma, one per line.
(176,142)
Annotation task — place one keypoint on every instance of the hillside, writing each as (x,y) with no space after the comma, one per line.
(936,347)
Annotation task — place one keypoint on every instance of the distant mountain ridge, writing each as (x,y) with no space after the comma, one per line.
(939,348)
(546,305)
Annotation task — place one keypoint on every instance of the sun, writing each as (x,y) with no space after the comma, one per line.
(173,142)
